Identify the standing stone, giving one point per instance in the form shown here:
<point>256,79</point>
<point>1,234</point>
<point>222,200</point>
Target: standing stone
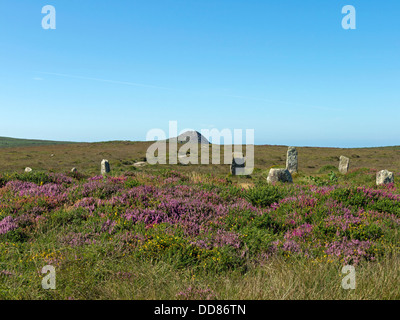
<point>344,164</point>
<point>279,175</point>
<point>384,177</point>
<point>74,170</point>
<point>291,160</point>
<point>105,166</point>
<point>27,169</point>
<point>238,164</point>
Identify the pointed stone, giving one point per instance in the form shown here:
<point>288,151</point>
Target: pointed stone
<point>291,160</point>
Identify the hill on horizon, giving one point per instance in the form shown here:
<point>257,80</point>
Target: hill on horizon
<point>192,136</point>
<point>6,142</point>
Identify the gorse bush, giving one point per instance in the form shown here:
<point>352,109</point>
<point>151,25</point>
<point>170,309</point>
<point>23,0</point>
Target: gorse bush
<point>369,199</point>
<point>131,183</point>
<point>38,177</point>
<point>264,195</point>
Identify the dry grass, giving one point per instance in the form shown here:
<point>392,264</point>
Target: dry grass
<point>86,157</point>
<point>276,280</point>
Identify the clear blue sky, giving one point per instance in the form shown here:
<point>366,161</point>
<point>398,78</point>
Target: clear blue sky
<point>112,70</point>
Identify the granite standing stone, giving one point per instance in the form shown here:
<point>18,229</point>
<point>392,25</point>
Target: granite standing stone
<point>279,175</point>
<point>384,177</point>
<point>344,164</point>
<point>291,160</point>
<point>105,166</point>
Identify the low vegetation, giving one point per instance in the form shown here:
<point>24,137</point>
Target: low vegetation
<point>174,235</point>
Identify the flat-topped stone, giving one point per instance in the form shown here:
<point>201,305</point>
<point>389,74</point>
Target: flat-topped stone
<point>279,175</point>
<point>140,164</point>
<point>384,177</point>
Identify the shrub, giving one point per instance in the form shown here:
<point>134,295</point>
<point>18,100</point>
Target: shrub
<point>37,177</point>
<point>264,196</point>
<point>322,182</point>
<point>132,183</point>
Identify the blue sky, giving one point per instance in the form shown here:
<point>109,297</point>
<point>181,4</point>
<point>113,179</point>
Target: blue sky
<point>112,70</point>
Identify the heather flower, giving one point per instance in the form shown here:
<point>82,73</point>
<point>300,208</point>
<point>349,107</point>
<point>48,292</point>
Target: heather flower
<point>8,224</point>
<point>350,251</point>
<point>300,232</point>
<point>6,273</point>
<point>108,226</point>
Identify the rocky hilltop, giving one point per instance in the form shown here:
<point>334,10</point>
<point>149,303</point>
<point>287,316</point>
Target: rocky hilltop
<point>192,136</point>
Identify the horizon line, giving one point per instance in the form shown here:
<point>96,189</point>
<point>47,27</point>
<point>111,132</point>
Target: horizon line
<point>142,141</point>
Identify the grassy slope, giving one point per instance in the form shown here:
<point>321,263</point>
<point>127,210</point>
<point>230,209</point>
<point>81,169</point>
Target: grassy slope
<point>86,157</point>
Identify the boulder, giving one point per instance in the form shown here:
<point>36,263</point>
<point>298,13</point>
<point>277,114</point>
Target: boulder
<point>74,170</point>
<point>344,164</point>
<point>384,177</point>
<point>291,160</point>
<point>27,169</point>
<point>279,175</point>
<point>140,164</point>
